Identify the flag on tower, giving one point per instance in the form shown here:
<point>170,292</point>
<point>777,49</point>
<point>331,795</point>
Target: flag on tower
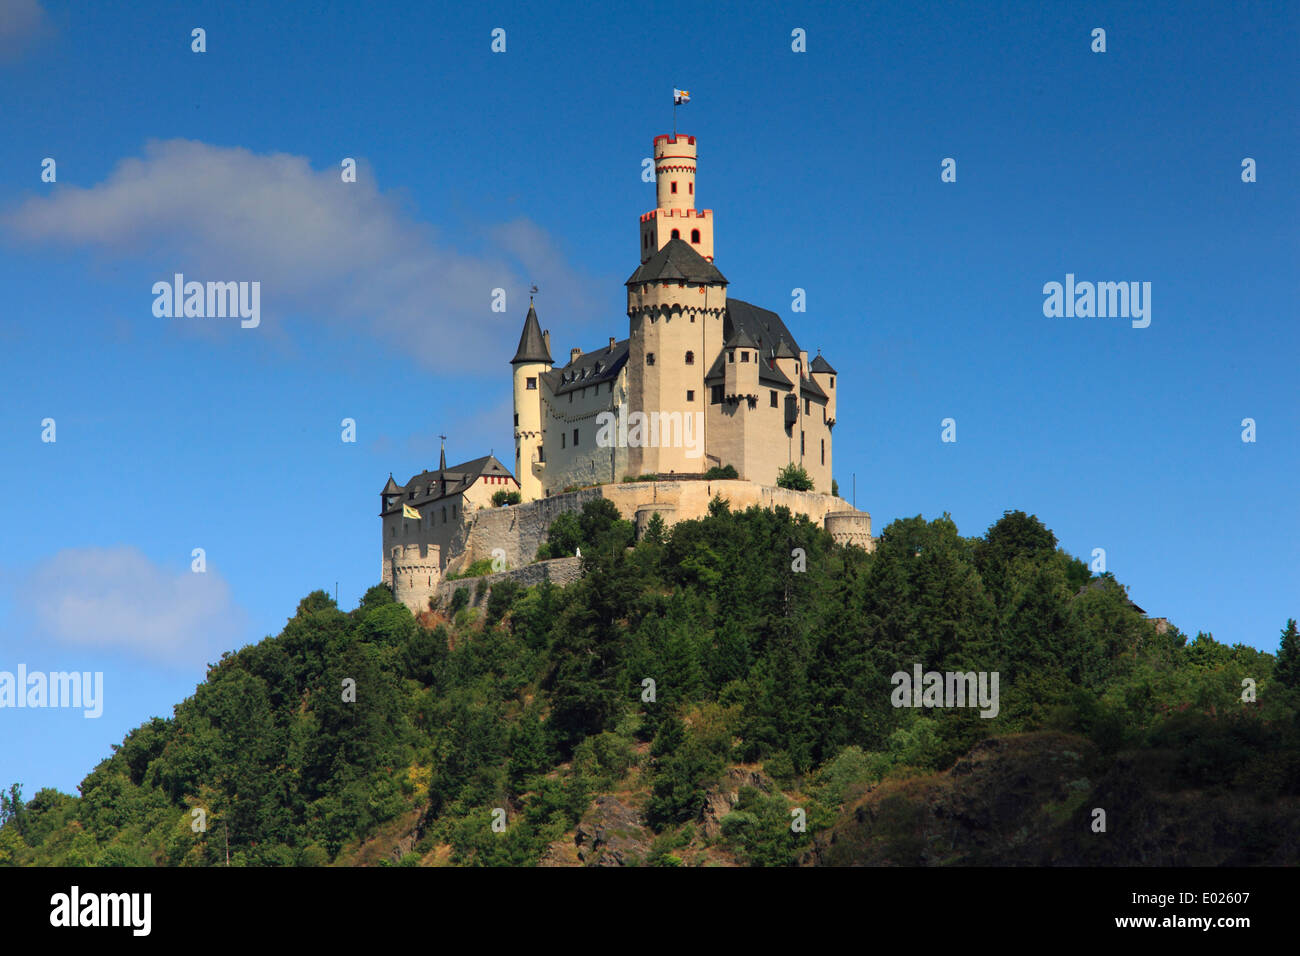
<point>680,97</point>
<point>409,512</point>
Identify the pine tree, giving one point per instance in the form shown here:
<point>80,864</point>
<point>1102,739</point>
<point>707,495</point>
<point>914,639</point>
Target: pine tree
<point>1287,669</point>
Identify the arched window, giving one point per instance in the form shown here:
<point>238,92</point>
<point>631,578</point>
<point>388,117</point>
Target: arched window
<point>676,234</point>
<point>695,236</point>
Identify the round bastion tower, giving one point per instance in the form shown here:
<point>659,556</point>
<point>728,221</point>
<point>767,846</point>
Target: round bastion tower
<point>532,358</point>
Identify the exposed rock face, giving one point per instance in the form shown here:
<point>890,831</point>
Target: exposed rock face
<point>612,833</point>
<point>1029,800</point>
<point>998,805</point>
<point>718,803</point>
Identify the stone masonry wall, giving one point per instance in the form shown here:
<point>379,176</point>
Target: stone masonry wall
<point>559,571</point>
<point>519,530</point>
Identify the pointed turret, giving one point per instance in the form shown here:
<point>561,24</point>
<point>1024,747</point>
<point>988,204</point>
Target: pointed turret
<point>532,360</point>
<point>389,497</point>
<point>532,346</point>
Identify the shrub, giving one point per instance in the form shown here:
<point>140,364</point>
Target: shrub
<point>718,474</point>
<point>795,478</point>
<point>506,497</point>
<point>479,568</point>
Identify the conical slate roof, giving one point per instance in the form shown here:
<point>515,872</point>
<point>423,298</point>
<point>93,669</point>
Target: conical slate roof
<point>741,339</point>
<point>679,262</point>
<point>532,347</point>
<point>819,364</point>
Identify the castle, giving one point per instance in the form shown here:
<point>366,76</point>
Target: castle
<point>702,381</point>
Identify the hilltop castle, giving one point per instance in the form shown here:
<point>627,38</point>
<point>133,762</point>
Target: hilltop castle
<point>701,381</point>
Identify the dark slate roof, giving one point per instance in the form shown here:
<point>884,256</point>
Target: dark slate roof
<point>811,388</point>
<point>445,482</point>
<point>819,364</point>
<point>763,326</point>
<point>678,262</point>
<point>740,340</point>
<point>589,368</point>
<point>768,376</point>
<point>766,330</point>
<point>783,350</point>
<point>532,347</point>
<point>392,487</point>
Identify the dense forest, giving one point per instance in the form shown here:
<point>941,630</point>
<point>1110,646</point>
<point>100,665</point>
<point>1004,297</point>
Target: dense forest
<point>693,694</point>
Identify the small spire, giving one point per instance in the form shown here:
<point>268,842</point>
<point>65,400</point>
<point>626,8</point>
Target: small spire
<point>442,454</point>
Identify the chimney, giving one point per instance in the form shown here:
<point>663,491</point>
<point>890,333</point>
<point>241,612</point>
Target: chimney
<point>611,343</point>
<point>546,337</point>
<point>573,355</point>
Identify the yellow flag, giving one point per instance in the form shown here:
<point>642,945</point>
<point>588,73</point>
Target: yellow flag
<point>409,512</point>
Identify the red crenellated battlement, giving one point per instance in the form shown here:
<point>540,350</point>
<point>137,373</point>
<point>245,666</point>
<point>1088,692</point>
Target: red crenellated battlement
<point>683,213</point>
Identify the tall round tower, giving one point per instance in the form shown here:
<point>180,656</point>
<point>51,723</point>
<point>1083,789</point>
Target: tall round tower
<point>532,358</point>
<point>675,215</point>
<point>676,304</point>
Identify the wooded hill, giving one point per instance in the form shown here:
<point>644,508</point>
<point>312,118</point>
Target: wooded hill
<point>772,694</point>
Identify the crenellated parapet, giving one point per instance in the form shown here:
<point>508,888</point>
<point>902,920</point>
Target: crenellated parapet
<point>850,528</point>
<point>412,572</point>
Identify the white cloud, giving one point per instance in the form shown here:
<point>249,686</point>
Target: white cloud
<point>116,599</point>
<point>342,251</point>
<point>22,24</point>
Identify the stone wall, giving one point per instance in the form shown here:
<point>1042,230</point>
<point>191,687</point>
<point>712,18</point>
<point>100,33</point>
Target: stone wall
<point>519,530</point>
<point>850,527</point>
<point>559,571</point>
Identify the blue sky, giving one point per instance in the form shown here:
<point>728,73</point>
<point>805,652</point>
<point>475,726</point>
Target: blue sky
<point>480,170</point>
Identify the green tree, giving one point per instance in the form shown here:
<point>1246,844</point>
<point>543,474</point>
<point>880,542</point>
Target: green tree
<point>1287,668</point>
